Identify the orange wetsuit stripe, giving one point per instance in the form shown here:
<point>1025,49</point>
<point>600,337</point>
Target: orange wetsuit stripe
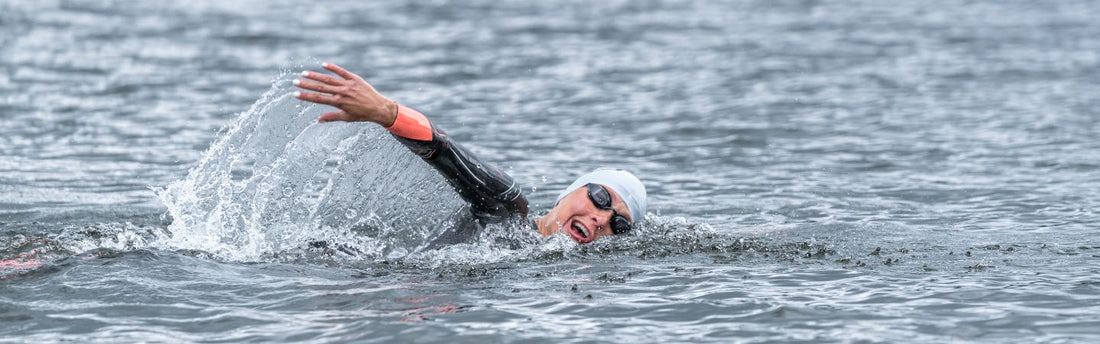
<point>411,124</point>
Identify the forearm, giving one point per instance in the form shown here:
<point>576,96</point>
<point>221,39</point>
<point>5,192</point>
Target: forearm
<point>492,194</point>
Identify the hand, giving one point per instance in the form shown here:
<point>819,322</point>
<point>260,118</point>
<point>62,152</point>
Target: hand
<point>356,100</point>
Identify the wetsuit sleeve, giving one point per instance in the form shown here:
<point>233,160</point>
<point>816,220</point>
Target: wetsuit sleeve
<point>493,195</point>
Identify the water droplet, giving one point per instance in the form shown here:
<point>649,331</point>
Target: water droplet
<point>398,253</point>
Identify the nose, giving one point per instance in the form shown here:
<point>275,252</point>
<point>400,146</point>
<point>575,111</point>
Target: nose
<point>602,217</point>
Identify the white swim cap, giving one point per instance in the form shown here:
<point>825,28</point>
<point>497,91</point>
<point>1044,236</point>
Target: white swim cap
<point>629,188</point>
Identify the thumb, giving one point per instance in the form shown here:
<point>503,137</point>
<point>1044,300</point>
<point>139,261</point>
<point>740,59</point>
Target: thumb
<point>339,115</point>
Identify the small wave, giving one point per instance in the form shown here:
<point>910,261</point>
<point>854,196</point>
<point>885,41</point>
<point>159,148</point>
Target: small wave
<point>26,253</point>
<point>514,243</point>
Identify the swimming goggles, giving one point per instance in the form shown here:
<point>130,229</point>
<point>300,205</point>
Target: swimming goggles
<point>601,198</point>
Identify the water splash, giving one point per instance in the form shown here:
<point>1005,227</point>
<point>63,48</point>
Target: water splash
<point>275,179</point>
<point>278,185</point>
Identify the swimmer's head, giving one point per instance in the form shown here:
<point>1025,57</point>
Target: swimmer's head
<point>602,202</point>
<point>625,184</point>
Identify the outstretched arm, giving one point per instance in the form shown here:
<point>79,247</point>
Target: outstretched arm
<point>492,194</point>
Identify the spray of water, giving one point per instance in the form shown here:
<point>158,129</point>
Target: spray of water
<point>275,180</point>
<point>277,184</point>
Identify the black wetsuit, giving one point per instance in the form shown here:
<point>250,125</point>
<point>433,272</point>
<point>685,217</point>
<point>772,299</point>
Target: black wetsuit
<point>492,195</point>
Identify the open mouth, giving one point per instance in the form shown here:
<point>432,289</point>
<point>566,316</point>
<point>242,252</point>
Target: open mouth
<point>579,232</point>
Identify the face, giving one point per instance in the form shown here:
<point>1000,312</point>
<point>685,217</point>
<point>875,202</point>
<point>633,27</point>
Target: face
<point>576,216</point>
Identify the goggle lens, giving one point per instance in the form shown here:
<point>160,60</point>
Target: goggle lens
<point>601,198</point>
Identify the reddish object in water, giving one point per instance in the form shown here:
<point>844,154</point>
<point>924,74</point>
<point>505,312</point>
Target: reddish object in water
<point>15,264</point>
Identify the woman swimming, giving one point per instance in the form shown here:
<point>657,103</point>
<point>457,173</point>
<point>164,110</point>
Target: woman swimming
<point>603,202</point>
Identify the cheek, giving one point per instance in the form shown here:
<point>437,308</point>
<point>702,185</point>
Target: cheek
<point>604,231</point>
<point>565,212</point>
<point>572,206</point>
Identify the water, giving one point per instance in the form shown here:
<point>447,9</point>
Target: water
<point>818,172</point>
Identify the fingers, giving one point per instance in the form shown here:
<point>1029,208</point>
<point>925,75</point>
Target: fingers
<point>317,98</point>
<point>325,78</point>
<point>339,115</point>
<point>315,86</point>
<point>332,67</point>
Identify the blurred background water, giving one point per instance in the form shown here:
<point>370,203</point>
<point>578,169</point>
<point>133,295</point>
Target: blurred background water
<point>846,171</point>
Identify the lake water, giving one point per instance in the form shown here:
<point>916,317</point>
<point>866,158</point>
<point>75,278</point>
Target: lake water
<point>845,171</point>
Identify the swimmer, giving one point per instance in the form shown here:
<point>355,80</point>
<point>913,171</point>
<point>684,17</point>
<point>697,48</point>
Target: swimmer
<point>601,203</point>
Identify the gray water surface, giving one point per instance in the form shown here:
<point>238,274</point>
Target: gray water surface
<point>839,171</point>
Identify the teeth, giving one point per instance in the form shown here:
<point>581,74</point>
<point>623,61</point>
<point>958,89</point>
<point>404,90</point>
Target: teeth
<point>580,228</point>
